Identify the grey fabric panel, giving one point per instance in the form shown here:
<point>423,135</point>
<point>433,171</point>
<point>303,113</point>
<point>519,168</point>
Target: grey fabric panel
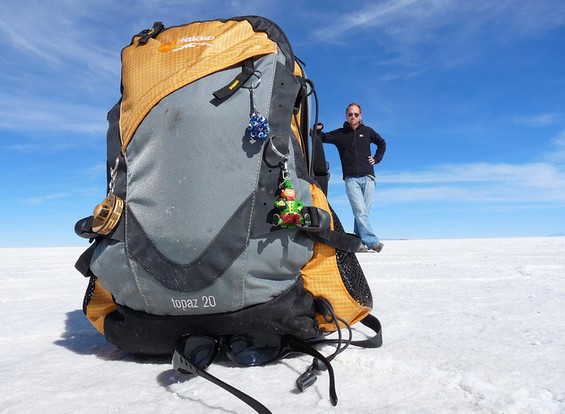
<point>187,174</point>
<point>261,279</point>
<point>111,265</point>
<point>190,168</point>
<point>230,243</point>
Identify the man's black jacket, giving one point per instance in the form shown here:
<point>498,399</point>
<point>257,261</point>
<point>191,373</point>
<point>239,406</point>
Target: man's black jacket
<point>354,147</point>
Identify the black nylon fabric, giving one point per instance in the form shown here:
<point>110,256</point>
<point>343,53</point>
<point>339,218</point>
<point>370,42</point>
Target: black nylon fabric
<point>274,32</point>
<point>114,150</point>
<point>141,333</point>
<point>319,164</point>
<point>285,89</point>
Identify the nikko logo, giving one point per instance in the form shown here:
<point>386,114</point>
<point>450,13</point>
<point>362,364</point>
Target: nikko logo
<point>186,43</point>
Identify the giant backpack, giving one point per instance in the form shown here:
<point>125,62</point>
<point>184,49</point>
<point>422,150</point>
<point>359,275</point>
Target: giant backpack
<point>197,234</point>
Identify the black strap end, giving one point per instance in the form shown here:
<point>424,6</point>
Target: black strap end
<point>83,228</point>
<point>152,33</point>
<point>232,87</point>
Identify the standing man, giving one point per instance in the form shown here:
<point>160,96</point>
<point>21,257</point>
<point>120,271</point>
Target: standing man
<point>353,142</point>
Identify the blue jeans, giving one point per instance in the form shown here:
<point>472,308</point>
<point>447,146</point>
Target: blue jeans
<point>360,191</point>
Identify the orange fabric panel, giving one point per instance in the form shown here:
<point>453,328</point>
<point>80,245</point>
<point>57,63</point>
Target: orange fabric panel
<point>100,305</point>
<point>295,122</point>
<point>294,126</point>
<point>179,56</point>
<point>322,277</point>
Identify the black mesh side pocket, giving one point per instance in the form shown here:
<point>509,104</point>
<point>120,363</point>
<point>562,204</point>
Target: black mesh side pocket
<point>89,293</point>
<point>351,272</point>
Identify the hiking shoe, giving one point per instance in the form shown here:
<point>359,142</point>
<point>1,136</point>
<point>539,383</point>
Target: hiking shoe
<point>378,247</point>
<point>363,249</point>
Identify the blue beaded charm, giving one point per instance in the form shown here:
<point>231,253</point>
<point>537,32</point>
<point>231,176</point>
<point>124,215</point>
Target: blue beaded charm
<point>258,127</point>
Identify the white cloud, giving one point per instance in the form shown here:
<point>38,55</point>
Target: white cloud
<point>407,19</point>
<point>39,114</point>
<point>558,155</point>
<point>446,32</point>
<point>476,182</point>
<point>540,120</point>
<point>467,183</point>
<point>55,34</point>
<point>426,194</point>
<point>45,199</point>
<point>476,172</point>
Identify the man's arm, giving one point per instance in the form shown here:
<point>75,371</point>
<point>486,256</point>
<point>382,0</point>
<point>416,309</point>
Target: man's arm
<point>381,147</point>
<point>326,137</point>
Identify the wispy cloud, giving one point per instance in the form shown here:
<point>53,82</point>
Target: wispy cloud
<point>445,32</point>
<point>58,76</point>
<point>409,19</point>
<point>42,114</point>
<point>540,120</point>
<point>476,182</point>
<point>381,15</point>
<point>44,199</point>
<point>478,172</point>
<point>558,154</point>
<point>55,34</point>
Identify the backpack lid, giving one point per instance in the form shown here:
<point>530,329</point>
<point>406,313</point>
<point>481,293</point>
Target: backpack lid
<point>177,56</point>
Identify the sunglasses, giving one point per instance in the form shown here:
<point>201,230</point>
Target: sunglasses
<point>355,114</point>
<point>194,353</point>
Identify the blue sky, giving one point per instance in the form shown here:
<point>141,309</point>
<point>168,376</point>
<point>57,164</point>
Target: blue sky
<point>469,95</point>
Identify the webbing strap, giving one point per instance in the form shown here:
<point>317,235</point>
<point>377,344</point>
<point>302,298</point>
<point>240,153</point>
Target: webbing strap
<point>319,220</point>
<point>232,87</point>
<point>337,239</point>
<point>376,341</point>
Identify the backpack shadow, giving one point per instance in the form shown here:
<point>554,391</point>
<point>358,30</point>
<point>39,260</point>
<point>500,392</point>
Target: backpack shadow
<point>82,338</point>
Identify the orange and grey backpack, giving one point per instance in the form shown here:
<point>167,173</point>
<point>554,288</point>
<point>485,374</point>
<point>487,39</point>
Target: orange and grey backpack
<point>216,221</point>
